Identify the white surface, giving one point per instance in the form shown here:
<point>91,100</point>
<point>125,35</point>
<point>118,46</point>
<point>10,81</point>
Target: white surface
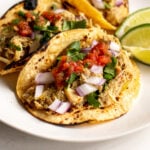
<point>13,114</point>
<point>11,139</point>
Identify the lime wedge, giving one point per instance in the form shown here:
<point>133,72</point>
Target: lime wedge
<point>141,16</point>
<point>137,41</point>
<point>140,54</point>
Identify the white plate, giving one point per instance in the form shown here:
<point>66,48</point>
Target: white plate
<point>12,113</point>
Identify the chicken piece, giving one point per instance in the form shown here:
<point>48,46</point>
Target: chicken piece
<point>75,99</point>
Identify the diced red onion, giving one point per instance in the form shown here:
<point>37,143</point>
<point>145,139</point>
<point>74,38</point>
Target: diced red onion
<point>119,2</point>
<point>38,91</point>
<point>57,11</point>
<point>87,49</point>
<point>56,103</point>
<point>33,36</point>
<point>114,46</point>
<point>97,69</point>
<point>85,89</point>
<point>98,4</point>
<point>64,107</point>
<point>44,78</point>
<point>114,53</point>
<point>94,43</point>
<point>96,80</point>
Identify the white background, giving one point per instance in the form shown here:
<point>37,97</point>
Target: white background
<point>11,139</point>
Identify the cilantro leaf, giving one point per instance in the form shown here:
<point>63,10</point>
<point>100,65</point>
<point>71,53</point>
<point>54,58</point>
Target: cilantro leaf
<point>92,99</point>
<point>107,5</point>
<point>68,25</point>
<point>72,78</point>
<point>15,47</point>
<point>74,51</point>
<point>48,32</point>
<point>109,69</point>
<point>15,21</point>
<point>21,13</point>
<point>75,45</point>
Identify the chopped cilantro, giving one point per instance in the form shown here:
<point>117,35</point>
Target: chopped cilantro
<point>74,51</point>
<point>21,13</point>
<point>72,78</point>
<point>109,69</point>
<point>107,5</point>
<point>52,28</point>
<point>15,47</point>
<point>92,99</point>
<point>68,25</point>
<point>46,37</point>
<point>15,21</point>
<point>47,29</point>
<point>75,45</point>
<point>48,32</point>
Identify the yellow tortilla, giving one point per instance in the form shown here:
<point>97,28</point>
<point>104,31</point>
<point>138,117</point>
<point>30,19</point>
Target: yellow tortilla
<point>13,64</point>
<point>121,100</point>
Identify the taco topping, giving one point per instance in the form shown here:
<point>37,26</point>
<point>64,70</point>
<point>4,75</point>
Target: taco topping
<point>82,77</point>
<point>30,30</point>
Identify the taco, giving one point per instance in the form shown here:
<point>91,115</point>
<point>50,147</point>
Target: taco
<point>83,75</point>
<point>108,13</point>
<point>25,28</point>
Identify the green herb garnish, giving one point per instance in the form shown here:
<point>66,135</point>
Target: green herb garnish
<point>68,25</point>
<point>74,51</point>
<point>21,13</point>
<point>15,21</point>
<point>109,69</point>
<point>48,32</point>
<point>72,78</point>
<point>107,5</point>
<point>92,99</point>
<point>15,47</point>
<point>47,29</point>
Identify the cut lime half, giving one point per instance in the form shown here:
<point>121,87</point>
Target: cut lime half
<point>137,41</point>
<point>141,16</point>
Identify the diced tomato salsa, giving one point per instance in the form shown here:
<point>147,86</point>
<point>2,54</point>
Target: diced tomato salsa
<point>99,55</point>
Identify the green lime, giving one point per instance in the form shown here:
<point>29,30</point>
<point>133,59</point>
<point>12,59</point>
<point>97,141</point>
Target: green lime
<point>137,41</point>
<point>141,16</point>
<point>140,54</point>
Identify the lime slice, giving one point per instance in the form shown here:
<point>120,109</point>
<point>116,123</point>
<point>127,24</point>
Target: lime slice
<point>137,41</point>
<point>141,16</point>
<point>140,54</point>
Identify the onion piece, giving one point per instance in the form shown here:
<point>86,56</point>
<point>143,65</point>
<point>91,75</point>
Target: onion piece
<point>44,78</point>
<point>94,43</point>
<point>97,69</point>
<point>98,4</point>
<point>38,91</point>
<point>114,46</point>
<point>96,80</point>
<point>60,10</point>
<point>87,49</point>
<point>119,2</point>
<point>85,89</point>
<point>64,107</point>
<point>54,106</point>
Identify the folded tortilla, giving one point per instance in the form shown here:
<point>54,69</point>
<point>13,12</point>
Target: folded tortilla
<point>117,98</point>
<point>17,46</point>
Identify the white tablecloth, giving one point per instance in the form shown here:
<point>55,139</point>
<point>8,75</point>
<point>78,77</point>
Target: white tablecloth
<point>11,139</point>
